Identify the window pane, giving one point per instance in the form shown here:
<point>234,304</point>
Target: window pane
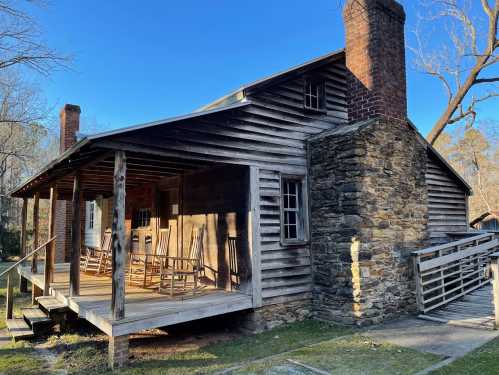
<point>291,217</point>
<point>314,103</point>
<point>292,232</point>
<point>292,187</point>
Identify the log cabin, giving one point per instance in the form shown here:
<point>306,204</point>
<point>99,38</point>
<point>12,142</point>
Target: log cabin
<point>311,187</point>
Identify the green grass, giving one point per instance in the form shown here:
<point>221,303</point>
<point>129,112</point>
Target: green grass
<point>352,355</point>
<point>20,358</point>
<point>90,358</point>
<point>483,361</point>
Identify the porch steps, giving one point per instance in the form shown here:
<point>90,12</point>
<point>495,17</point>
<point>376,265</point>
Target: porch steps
<point>51,305</point>
<point>37,319</point>
<point>19,329</point>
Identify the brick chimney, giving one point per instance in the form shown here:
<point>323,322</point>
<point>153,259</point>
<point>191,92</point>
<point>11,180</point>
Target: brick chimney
<point>375,57</point>
<point>70,124</point>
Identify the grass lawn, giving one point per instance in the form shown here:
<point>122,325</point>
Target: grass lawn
<point>85,356</point>
<point>19,358</point>
<point>483,361</point>
<point>352,355</point>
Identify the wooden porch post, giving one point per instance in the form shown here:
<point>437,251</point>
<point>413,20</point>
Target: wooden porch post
<point>74,271</point>
<point>36,205</point>
<point>494,265</point>
<point>118,345</point>
<point>118,237</point>
<point>23,283</point>
<point>9,298</point>
<point>254,235</point>
<point>50,249</point>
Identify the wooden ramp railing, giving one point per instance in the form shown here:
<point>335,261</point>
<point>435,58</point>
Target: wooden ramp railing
<point>446,272</point>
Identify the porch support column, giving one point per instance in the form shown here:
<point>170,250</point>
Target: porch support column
<point>50,249</point>
<point>254,235</point>
<point>118,351</point>
<point>23,283</point>
<point>74,271</point>
<point>118,237</point>
<point>118,345</point>
<point>36,232</point>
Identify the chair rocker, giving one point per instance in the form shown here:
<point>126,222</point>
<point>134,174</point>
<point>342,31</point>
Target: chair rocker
<point>98,260</point>
<point>174,269</point>
<point>144,267</point>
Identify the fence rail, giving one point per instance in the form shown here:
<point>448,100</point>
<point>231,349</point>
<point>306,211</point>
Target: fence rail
<point>446,272</point>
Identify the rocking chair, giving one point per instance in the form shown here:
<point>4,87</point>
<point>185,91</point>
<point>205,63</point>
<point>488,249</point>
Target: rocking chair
<point>98,260</point>
<point>143,267</point>
<point>180,268</point>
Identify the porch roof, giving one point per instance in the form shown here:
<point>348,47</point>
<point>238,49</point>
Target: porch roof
<point>93,158</point>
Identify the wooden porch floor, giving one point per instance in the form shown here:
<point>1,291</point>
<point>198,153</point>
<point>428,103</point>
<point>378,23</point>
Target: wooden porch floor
<point>144,308</point>
<point>475,310</point>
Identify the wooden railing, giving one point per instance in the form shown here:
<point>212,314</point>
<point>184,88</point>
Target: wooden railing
<point>11,271</point>
<point>446,272</point>
<point>494,265</point>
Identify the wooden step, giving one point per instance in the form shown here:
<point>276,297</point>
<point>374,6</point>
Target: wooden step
<point>51,305</point>
<point>19,329</point>
<point>36,319</point>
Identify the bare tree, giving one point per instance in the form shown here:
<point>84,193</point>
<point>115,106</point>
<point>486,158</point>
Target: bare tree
<point>20,43</point>
<point>462,64</point>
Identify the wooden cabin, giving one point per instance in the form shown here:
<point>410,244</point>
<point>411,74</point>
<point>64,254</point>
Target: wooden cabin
<point>241,168</point>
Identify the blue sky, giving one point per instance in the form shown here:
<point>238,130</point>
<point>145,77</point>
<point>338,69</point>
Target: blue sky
<point>142,61</point>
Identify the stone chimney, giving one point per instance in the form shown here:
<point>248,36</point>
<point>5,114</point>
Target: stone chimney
<point>70,124</point>
<point>368,194</point>
<point>375,57</point>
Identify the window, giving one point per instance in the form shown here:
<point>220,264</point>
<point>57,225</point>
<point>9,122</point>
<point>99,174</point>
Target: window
<point>142,218</point>
<point>293,219</point>
<point>91,215</point>
<point>314,95</point>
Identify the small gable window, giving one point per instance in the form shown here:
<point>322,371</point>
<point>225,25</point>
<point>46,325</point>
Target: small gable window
<point>314,94</point>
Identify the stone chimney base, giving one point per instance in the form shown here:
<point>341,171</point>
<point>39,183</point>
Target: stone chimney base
<point>368,212</point>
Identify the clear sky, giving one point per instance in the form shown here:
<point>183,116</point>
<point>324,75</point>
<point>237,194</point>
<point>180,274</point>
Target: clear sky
<point>142,61</point>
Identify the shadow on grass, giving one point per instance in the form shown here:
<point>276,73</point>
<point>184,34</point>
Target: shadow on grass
<point>20,360</point>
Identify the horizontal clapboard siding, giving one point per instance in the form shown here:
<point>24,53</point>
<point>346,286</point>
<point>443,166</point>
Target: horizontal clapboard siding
<point>268,133</point>
<point>446,203</point>
<point>285,271</point>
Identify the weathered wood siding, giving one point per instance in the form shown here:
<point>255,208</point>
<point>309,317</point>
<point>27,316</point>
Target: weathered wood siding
<point>286,273</point>
<point>447,202</point>
<point>269,134</point>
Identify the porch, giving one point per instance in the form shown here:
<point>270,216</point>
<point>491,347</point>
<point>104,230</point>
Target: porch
<point>145,307</point>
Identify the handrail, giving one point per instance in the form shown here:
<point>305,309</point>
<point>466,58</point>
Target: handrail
<point>27,256</point>
<point>451,244</point>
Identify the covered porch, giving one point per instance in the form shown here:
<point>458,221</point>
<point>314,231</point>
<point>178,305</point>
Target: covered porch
<point>145,308</point>
<point>147,187</point>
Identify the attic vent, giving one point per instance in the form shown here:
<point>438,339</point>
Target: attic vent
<point>314,95</point>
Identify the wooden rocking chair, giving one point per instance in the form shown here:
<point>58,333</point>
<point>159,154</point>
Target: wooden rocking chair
<point>143,267</point>
<point>180,268</point>
<point>98,260</point>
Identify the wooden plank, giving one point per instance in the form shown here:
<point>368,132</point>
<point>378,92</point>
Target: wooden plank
<point>254,235</point>
<point>9,297</point>
<point>23,283</point>
<point>118,238</point>
<point>74,272</point>
<point>36,230</point>
<point>19,329</point>
<point>495,289</point>
<point>50,248</point>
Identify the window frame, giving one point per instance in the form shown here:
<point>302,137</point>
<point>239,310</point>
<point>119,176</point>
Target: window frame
<point>139,217</point>
<point>302,209</point>
<point>91,215</point>
<point>321,94</point>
